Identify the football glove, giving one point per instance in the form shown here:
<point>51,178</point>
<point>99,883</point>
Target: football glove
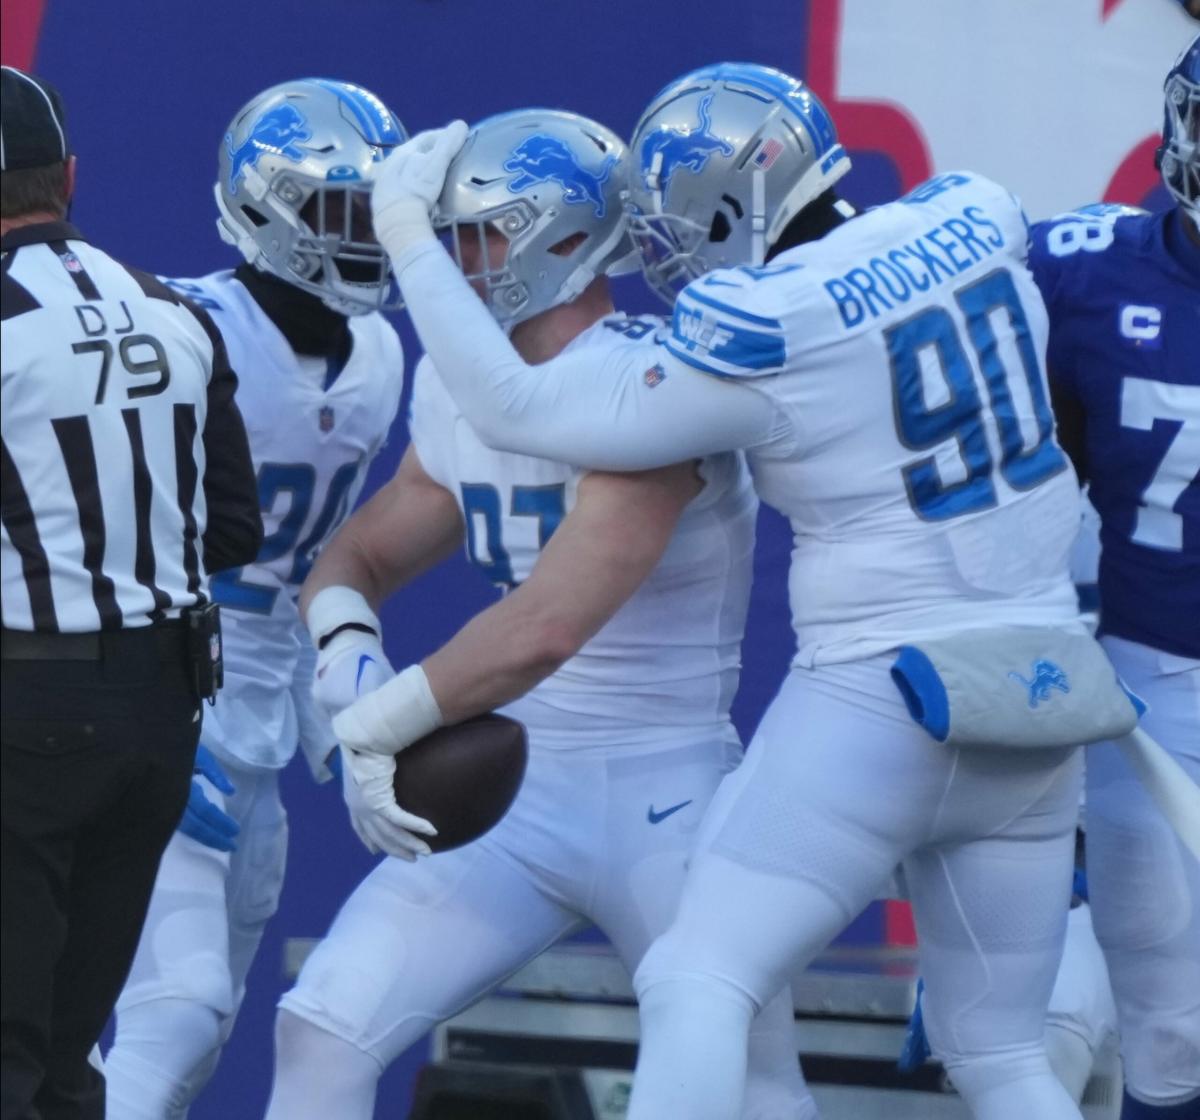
<point>392,717</point>
<point>377,820</point>
<point>408,184</point>
<point>202,820</point>
<point>350,657</point>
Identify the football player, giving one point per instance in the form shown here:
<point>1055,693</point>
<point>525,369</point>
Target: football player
<point>1123,292</point>
<point>320,374</point>
<point>884,373</point>
<point>626,601</point>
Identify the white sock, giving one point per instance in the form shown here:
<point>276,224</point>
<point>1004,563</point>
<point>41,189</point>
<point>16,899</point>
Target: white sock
<point>692,1059</point>
<point>1071,1058</point>
<point>775,1088</point>
<point>318,1075</point>
<point>164,1053</point>
<point>1015,1084</point>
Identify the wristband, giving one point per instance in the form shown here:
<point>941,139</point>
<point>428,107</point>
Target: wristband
<point>356,627</point>
<point>337,608</point>
<point>392,717</point>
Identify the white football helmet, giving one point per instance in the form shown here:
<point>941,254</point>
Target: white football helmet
<point>554,184</point>
<point>293,189</point>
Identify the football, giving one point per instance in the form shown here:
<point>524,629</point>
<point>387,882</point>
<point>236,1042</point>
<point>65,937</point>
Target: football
<point>462,778</point>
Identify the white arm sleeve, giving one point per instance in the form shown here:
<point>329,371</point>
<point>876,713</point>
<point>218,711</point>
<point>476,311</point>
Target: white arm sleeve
<point>588,409</point>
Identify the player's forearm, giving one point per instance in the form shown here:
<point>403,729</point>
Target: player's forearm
<point>574,408</point>
<point>345,563</point>
<point>497,657</point>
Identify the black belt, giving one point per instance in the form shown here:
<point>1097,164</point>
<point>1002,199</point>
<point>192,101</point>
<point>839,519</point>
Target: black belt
<point>97,645</point>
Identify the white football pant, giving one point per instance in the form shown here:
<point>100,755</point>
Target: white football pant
<point>594,835</point>
<point>838,787</point>
<point>1145,885</point>
<point>206,919</point>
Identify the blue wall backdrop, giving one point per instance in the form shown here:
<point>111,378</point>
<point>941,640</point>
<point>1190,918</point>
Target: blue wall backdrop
<point>149,89</point>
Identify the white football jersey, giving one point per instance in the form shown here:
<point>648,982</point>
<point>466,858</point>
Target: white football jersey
<point>915,452</point>
<point>669,658</point>
<point>311,446</point>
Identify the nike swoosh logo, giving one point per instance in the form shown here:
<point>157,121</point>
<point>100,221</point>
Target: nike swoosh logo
<point>654,817</point>
<point>364,660</point>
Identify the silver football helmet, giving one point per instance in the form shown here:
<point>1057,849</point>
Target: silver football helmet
<point>293,189</point>
<point>553,184</point>
<point>725,157</point>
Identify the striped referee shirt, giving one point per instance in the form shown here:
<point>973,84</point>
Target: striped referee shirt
<point>125,472</point>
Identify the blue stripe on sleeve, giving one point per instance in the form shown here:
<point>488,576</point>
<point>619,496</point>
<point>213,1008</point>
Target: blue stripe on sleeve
<point>720,344</point>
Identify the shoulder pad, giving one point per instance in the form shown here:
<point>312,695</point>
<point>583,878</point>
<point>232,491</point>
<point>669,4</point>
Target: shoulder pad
<point>715,330</point>
<point>1088,229</point>
<point>193,290</point>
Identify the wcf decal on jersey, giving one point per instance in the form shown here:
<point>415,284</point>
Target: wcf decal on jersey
<point>1141,324</point>
<point>698,330</point>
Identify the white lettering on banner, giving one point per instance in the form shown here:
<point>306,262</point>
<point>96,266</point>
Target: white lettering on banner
<point>1140,322</point>
<point>1063,131</point>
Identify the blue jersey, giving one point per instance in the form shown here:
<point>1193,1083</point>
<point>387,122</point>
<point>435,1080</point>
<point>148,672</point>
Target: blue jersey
<point>1123,292</point>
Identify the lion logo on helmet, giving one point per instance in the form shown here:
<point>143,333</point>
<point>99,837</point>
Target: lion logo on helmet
<point>690,148</point>
<point>279,131</point>
<point>541,159</point>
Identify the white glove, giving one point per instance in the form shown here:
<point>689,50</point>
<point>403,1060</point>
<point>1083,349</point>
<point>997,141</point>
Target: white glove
<point>408,184</point>
<point>352,662</point>
<point>376,818</point>
<point>391,718</point>
<point>351,665</point>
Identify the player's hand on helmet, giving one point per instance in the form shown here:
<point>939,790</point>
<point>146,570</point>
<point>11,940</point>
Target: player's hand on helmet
<point>378,821</point>
<point>204,820</point>
<point>407,185</point>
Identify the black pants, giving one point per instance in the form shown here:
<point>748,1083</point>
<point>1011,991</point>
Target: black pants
<point>97,762</point>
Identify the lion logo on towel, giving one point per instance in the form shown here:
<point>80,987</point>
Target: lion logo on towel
<point>1046,676</point>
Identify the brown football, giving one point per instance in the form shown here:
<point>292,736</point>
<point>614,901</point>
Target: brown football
<point>462,778</point>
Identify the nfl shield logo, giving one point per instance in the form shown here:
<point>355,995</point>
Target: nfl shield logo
<point>71,262</point>
<point>654,376</point>
<point>325,418</point>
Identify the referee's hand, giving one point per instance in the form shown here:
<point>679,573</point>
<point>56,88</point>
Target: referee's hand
<point>202,820</point>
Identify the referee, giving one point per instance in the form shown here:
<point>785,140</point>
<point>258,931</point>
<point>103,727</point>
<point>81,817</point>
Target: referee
<point>125,475</point>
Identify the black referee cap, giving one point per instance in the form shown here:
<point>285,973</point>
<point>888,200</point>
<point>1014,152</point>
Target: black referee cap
<point>32,133</point>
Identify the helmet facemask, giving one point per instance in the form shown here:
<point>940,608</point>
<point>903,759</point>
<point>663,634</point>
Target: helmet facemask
<point>1180,153</point>
<point>336,251</point>
<point>677,248</point>
<point>293,190</point>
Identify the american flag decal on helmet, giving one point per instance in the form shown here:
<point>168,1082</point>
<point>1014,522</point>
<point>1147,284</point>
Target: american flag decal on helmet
<point>768,152</point>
